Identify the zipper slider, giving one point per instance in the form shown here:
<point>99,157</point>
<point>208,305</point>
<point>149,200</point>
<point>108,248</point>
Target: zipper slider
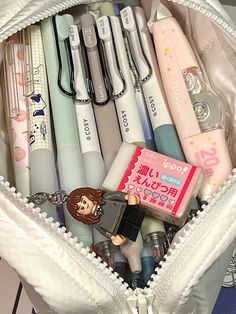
<point>139,303</point>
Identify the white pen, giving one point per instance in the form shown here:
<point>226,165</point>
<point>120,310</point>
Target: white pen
<point>126,106</point>
<point>93,162</point>
<point>41,158</point>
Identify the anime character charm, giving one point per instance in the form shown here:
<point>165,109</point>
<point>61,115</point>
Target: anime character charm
<point>116,214</point>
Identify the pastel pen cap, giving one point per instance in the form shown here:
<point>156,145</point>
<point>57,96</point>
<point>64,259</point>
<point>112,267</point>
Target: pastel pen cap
<point>104,248</point>
<point>154,236</point>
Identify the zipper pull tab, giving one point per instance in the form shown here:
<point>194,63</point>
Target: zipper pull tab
<point>139,303</point>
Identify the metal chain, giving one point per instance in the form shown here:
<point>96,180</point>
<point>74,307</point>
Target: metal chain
<point>57,198</point>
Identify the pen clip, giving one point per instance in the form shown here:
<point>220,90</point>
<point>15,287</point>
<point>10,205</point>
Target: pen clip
<point>139,57</point>
<point>81,80</point>
<point>108,47</point>
<point>90,41</point>
<point>72,92</point>
<point>10,78</point>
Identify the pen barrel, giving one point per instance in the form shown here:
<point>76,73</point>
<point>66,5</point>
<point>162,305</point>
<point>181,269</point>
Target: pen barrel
<point>94,167</point>
<point>145,120</point>
<point>109,132</point>
<point>97,75</point>
<point>209,152</point>
<point>175,55</point>
<point>43,178</point>
<point>126,106</point>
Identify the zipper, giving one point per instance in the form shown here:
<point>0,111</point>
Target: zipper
<point>217,19</point>
<point>56,8</point>
<point>139,301</point>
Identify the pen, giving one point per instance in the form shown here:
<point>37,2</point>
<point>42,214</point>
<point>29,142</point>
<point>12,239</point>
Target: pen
<point>126,106</point>
<point>93,162</point>
<point>41,157</point>
<point>166,138</point>
<point>140,100</point>
<point>195,107</point>
<point>148,263</point>
<point>132,251</point>
<point>17,111</point>
<point>104,109</point>
<point>69,157</point>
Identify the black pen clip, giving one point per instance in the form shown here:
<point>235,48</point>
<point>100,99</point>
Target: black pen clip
<point>72,92</point>
<point>89,38</point>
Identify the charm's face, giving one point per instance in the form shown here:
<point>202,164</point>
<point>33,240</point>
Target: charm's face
<point>85,206</point>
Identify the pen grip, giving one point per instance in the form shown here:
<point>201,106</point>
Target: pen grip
<point>209,152</point>
<point>167,142</point>
<point>175,55</point>
<point>94,169</point>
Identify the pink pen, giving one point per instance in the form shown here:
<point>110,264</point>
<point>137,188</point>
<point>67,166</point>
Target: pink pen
<point>195,108</point>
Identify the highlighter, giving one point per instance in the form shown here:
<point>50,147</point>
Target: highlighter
<point>195,108</point>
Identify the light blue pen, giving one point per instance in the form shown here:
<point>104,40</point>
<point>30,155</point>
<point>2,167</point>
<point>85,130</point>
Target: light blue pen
<point>166,138</point>
<point>69,156</point>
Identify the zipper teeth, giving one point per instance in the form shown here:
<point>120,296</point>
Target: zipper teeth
<point>68,242</point>
<point>212,16</point>
<point>66,4</point>
<point>70,3</point>
<point>189,234</point>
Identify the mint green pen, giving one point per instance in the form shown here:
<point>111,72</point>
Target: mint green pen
<point>69,156</point>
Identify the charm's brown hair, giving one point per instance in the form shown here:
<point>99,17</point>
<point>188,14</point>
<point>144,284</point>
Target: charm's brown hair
<point>95,195</point>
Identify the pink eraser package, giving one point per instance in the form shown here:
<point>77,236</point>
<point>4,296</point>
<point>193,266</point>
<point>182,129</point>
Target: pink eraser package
<point>166,186</point>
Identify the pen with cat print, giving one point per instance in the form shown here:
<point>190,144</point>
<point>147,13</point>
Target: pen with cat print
<point>41,157</point>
